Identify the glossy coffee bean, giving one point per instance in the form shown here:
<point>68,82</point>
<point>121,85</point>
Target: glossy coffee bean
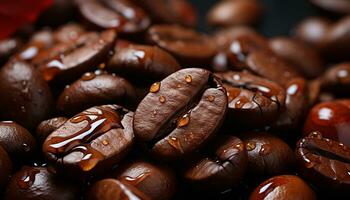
<point>17,141</point>
<point>332,119</point>
<point>112,189</point>
<point>251,98</point>
<point>45,128</point>
<point>287,187</point>
<point>5,167</point>
<point>334,6</point>
<point>305,59</point>
<point>183,112</point>
<point>95,88</point>
<point>337,79</point>
<point>190,48</point>
<point>26,97</point>
<point>324,162</point>
<point>37,183</point>
<point>83,58</point>
<point>68,33</point>
<point>138,61</point>
<point>156,181</point>
<point>237,12</point>
<point>267,154</point>
<point>8,47</point>
<point>92,141</point>
<point>121,15</point>
<point>222,165</point>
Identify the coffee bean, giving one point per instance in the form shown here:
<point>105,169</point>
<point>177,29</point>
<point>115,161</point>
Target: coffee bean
<point>26,97</point>
<point>221,166</point>
<point>92,141</point>
<point>180,113</point>
<point>111,189</point>
<point>5,167</point>
<point>17,141</point>
<point>337,79</point>
<point>121,15</point>
<point>45,128</point>
<point>232,13</point>
<point>324,162</point>
<point>138,61</point>
<point>251,99</point>
<point>286,187</point>
<point>32,183</point>
<point>156,181</point>
<point>335,6</point>
<point>95,89</point>
<point>190,48</point>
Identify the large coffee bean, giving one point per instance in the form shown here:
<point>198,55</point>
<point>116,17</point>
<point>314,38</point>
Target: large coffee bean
<point>37,183</point>
<point>5,167</point>
<point>121,15</point>
<point>324,162</point>
<point>26,96</point>
<point>222,165</point>
<point>252,101</point>
<point>337,79</point>
<point>180,113</point>
<point>334,6</point>
<point>192,49</point>
<point>45,128</point>
<point>95,89</point>
<point>91,141</point>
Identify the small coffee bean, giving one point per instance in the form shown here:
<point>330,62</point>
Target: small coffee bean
<point>45,128</point>
<point>5,167</point>
<point>337,79</point>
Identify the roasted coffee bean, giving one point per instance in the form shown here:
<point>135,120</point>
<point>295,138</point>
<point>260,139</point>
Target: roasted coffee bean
<point>237,12</point>
<point>267,154</point>
<point>337,79</point>
<point>138,61</point>
<point>83,58</point>
<point>92,141</point>
<point>26,97</point>
<point>34,183</point>
<point>156,181</point>
<point>17,141</point>
<point>45,128</point>
<point>111,189</point>
<point>324,162</point>
<point>334,6</point>
<point>251,99</point>
<point>121,15</point>
<point>5,168</point>
<point>170,11</point>
<point>285,187</point>
<point>94,89</point>
<point>8,47</point>
<point>302,57</point>
<point>332,119</point>
<point>222,166</point>
<point>68,33</point>
<point>190,48</point>
<point>181,113</point>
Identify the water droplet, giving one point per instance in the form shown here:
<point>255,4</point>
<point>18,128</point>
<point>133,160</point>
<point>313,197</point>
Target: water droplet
<point>250,146</point>
<point>175,142</point>
<point>184,120</point>
<point>105,142</point>
<point>265,149</point>
<point>88,76</point>
<point>188,78</point>
<point>162,99</point>
<point>155,87</point>
<point>102,66</point>
<point>349,173</point>
<point>316,134</point>
<point>26,147</point>
<point>154,113</point>
<point>136,180</point>
<point>178,85</point>
<point>211,98</point>
<point>239,146</point>
<point>67,86</point>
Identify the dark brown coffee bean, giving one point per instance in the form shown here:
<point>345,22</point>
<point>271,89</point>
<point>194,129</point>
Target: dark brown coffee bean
<point>17,141</point>
<point>8,47</point>
<point>232,13</point>
<point>83,58</point>
<point>45,128</point>
<point>91,141</point>
<point>337,79</point>
<point>252,99</point>
<point>285,187</point>
<point>26,97</point>
<point>267,154</point>
<point>37,183</point>
<point>180,113</point>
<point>221,167</point>
<point>156,181</point>
<point>94,89</point>
<point>305,59</point>
<point>334,6</point>
<point>324,162</point>
<point>190,48</point>
<point>68,33</point>
<point>139,61</point>
<point>111,189</point>
<point>5,167</point>
<point>121,15</point>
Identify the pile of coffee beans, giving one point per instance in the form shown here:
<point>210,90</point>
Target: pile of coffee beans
<point>125,100</point>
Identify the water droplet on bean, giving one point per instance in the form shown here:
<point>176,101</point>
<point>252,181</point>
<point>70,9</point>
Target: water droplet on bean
<point>250,146</point>
<point>188,78</point>
<point>265,149</point>
<point>105,142</point>
<point>155,87</point>
<point>183,121</point>
<point>162,99</point>
<point>175,142</point>
<point>88,76</point>
<point>211,98</point>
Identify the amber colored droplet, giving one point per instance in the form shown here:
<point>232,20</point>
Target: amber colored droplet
<point>155,87</point>
<point>178,86</point>
<point>105,142</point>
<point>135,180</point>
<point>250,146</point>
<point>88,76</point>
<point>316,134</point>
<point>162,99</point>
<point>175,142</point>
<point>26,147</point>
<point>265,149</point>
<point>239,146</point>
<point>102,66</point>
<point>211,98</point>
<point>183,121</point>
<point>188,78</point>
